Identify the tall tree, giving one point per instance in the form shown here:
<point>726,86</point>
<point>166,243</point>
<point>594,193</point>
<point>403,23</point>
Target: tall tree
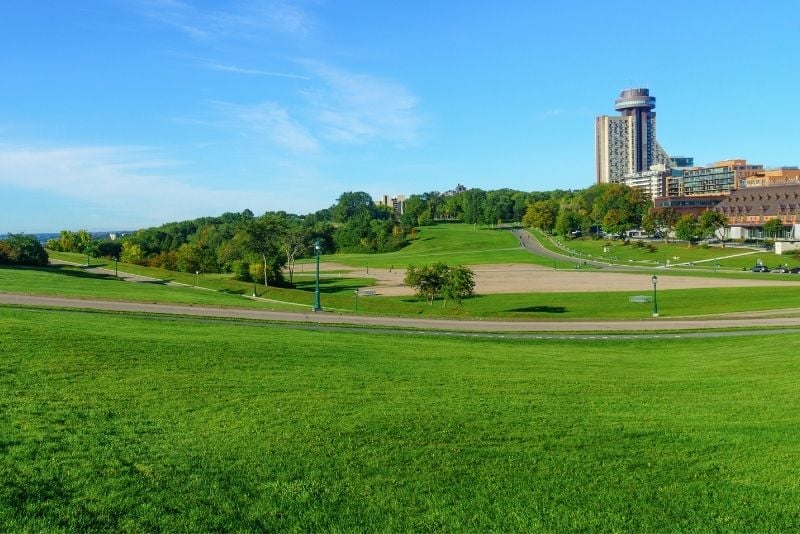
<point>712,223</point>
<point>687,228</point>
<point>262,236</point>
<point>772,227</point>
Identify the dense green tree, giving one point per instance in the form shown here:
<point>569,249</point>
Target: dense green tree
<point>687,228</point>
<point>352,205</point>
<point>772,227</point>
<point>712,223</point>
<point>262,237</point>
<point>18,249</point>
<point>568,221</point>
<point>541,214</point>
<point>439,279</point>
<point>472,205</point>
<point>459,283</point>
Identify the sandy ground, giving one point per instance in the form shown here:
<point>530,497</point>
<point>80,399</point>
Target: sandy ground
<point>521,278</point>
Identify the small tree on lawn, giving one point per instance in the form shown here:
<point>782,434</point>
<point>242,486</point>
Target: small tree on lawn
<point>459,283</point>
<point>712,223</point>
<point>427,280</point>
<point>687,228</point>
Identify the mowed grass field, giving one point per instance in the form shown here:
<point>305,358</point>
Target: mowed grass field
<point>126,423</point>
<point>704,258</point>
<point>338,296</point>
<point>454,244</point>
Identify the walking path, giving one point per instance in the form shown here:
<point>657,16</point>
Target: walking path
<point>790,318</point>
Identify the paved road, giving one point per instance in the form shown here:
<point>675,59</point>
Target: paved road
<point>532,245</point>
<point>645,325</point>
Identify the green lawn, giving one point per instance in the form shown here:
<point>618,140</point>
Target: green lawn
<point>338,295</point>
<point>454,244</point>
<point>728,258</point>
<point>122,423</point>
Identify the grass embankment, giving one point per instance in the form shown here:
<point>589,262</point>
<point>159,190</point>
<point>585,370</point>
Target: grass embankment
<point>454,244</point>
<point>338,295</point>
<point>677,254</point>
<point>132,424</point>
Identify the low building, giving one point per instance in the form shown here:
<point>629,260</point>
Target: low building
<point>695,205</point>
<point>780,176</point>
<point>748,209</point>
<point>719,178</point>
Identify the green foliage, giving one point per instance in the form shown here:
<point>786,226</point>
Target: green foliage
<point>439,279</point>
<point>541,214</point>
<point>19,249</point>
<point>772,227</point>
<point>710,223</point>
<point>687,228</point>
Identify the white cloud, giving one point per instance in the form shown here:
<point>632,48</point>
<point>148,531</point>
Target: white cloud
<point>358,108</point>
<point>131,181</point>
<point>213,65</point>
<point>243,20</point>
<point>275,124</point>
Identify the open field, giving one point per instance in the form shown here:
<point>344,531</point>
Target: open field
<point>130,424</point>
<point>338,295</point>
<point>455,244</point>
<point>703,258</point>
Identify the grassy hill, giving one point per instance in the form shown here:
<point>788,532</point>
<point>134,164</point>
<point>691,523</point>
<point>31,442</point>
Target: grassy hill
<point>455,244</point>
<point>121,423</point>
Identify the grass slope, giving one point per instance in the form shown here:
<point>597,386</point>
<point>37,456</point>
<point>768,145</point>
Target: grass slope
<point>338,295</point>
<point>133,424</point>
<point>454,244</point>
<point>704,258</point>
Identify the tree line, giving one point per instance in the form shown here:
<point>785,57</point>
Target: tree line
<point>613,209</point>
<point>264,248</point>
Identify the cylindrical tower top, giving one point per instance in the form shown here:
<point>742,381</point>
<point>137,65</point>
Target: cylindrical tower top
<point>635,98</point>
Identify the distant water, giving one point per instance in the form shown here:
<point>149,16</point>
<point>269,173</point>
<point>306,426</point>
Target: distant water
<point>42,238</point>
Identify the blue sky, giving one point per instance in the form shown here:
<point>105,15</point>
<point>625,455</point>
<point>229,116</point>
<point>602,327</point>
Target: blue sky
<point>119,114</point>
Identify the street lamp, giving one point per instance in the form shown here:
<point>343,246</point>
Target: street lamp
<point>356,300</point>
<point>655,297</point>
<point>317,249</point>
<point>197,278</point>
<point>116,266</point>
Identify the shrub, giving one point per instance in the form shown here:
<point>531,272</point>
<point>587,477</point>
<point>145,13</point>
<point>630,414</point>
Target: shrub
<point>23,250</point>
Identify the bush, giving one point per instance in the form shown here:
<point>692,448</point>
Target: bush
<point>23,250</point>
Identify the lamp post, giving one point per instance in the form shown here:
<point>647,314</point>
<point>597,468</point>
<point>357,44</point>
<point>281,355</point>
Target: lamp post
<point>197,278</point>
<point>356,300</point>
<point>317,249</point>
<point>116,266</point>
<point>655,296</point>
<point>254,286</point>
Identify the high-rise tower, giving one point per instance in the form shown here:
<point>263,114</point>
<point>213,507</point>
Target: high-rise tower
<point>627,143</point>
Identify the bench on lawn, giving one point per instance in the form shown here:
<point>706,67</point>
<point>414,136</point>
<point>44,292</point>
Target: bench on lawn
<point>639,299</point>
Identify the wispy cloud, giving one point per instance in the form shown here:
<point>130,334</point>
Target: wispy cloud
<point>134,182</point>
<point>274,124</point>
<point>358,108</point>
<point>336,107</point>
<point>213,65</point>
<point>246,20</point>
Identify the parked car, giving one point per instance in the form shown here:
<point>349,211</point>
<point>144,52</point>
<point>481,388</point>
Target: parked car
<point>795,270</point>
<point>760,269</point>
<point>780,270</point>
